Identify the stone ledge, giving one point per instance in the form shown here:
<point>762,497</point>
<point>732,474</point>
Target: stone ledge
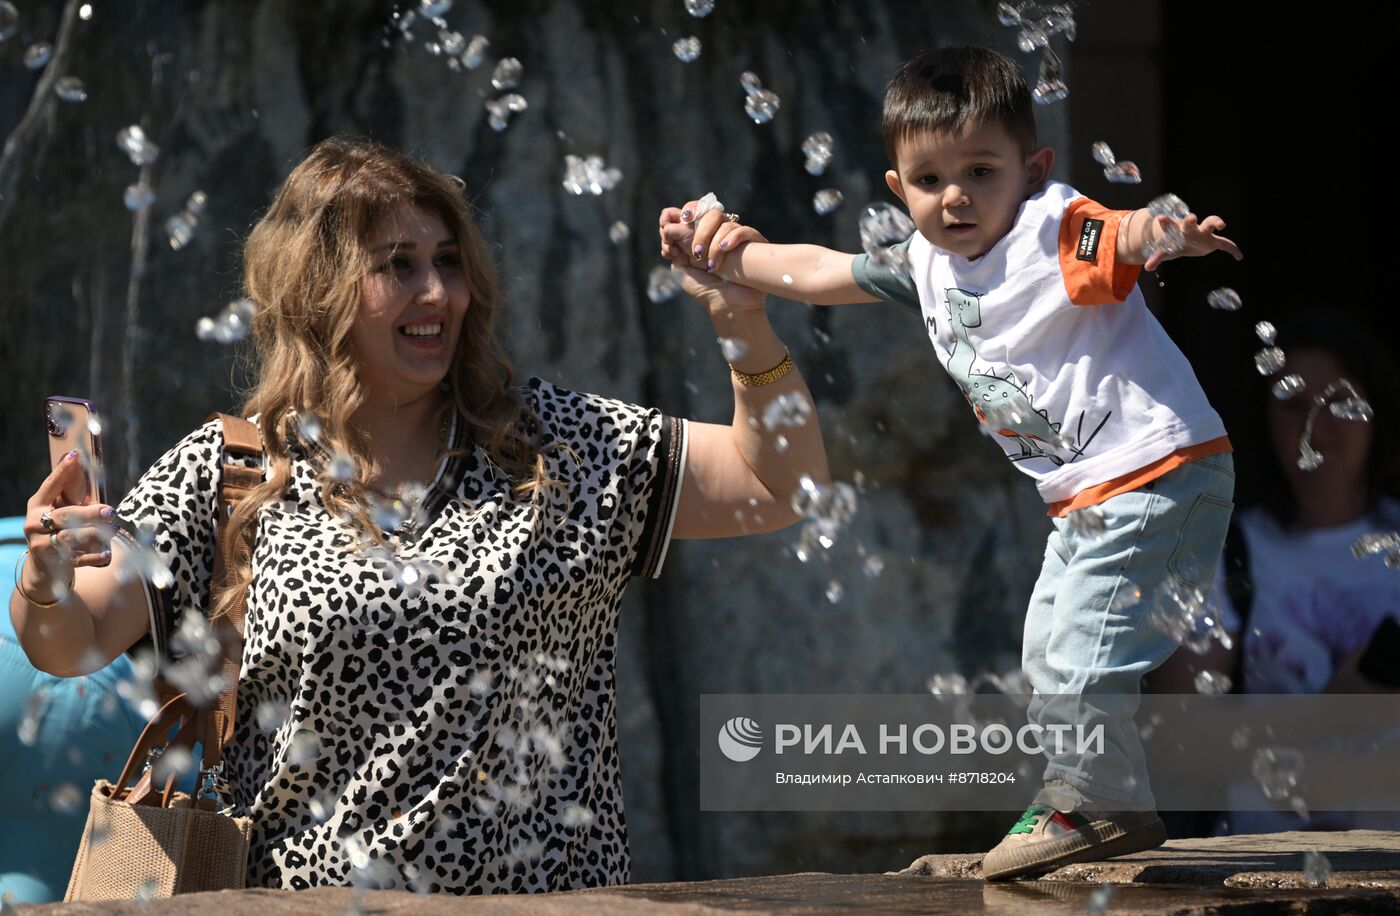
<point>1245,874</point>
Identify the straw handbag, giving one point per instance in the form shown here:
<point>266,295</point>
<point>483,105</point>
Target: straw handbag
<point>152,841</point>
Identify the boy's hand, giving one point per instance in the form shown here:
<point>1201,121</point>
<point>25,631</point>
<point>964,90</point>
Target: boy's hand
<point>1197,238</point>
<point>702,243</point>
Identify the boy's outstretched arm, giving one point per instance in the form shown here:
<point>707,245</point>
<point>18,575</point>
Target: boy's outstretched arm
<point>1198,238</point>
<point>740,254</point>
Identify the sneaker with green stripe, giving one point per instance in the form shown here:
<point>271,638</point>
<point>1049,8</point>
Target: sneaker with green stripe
<point>1045,838</point>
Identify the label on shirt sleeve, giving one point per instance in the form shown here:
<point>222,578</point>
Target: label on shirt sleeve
<point>1089,235</point>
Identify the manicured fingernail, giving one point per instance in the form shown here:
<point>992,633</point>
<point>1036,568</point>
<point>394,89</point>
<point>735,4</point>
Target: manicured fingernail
<point>699,251</point>
<point>71,455</point>
<point>724,244</point>
<point>710,264</point>
<point>107,512</point>
<point>106,555</point>
<point>685,215</point>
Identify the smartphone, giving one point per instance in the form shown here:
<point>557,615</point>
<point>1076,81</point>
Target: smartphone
<point>1381,660</point>
<point>73,423</point>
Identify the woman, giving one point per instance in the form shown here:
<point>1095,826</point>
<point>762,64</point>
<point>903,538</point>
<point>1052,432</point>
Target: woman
<point>434,562</point>
<point>1302,608</point>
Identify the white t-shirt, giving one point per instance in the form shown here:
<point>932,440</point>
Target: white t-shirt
<point>1049,322</point>
<point>1314,604</point>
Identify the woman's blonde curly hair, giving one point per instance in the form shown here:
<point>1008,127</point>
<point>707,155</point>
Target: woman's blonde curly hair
<point>303,263</point>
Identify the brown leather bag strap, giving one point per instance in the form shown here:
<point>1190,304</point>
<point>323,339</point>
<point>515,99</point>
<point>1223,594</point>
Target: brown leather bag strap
<point>236,482</point>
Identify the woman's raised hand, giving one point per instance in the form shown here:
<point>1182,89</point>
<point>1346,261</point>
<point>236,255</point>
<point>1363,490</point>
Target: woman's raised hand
<point>62,536</point>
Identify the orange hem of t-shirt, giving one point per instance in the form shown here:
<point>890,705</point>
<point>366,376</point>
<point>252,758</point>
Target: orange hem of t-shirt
<point>1126,483</point>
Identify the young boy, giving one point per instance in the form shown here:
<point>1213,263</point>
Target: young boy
<point>1028,292</point>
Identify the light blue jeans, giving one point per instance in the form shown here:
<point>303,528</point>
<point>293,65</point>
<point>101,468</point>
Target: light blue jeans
<point>1088,644</point>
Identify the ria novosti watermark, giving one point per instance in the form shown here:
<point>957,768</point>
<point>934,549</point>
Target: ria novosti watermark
<point>986,752</point>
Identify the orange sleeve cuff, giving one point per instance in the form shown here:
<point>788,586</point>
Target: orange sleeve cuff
<point>1089,254</point>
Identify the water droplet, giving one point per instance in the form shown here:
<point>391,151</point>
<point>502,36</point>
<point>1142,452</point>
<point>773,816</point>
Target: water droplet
<point>947,685</point>
<point>618,232</point>
<point>70,89</point>
<point>818,150</point>
<point>304,747</point>
<point>589,176</point>
<point>762,106</point>
<point>357,852</point>
<point>1127,596</point>
<point>137,196</point>
<point>85,12</point>
<point>1225,299</point>
<point>1031,38</point>
<point>835,591</point>
<point>1050,88</point>
<point>1375,542</point>
<point>662,284</point>
<point>146,890</point>
<point>733,349</point>
<point>1309,458</point>
<point>827,200</point>
<point>790,408</point>
<point>1316,868</point>
<point>133,141</point>
<point>1124,172</point>
<point>453,43</point>
<point>175,761</point>
<point>1103,154</point>
<point>1169,205</point>
<point>271,714</point>
<point>1266,332</point>
<point>179,229</point>
<point>475,52</point>
<point>507,74</point>
<point>37,55</point>
<point>1213,682</point>
<point>1288,386</point>
<point>1277,770</point>
<point>1008,15</point>
<point>1087,522</point>
<point>1351,409</point>
<point>500,110</point>
<point>787,278</point>
<point>9,20</point>
<point>699,8</point>
<point>434,9</point>
<point>873,566</point>
<point>687,49</point>
<point>341,468</point>
<point>881,226</point>
<point>1269,360</point>
<point>1099,899</point>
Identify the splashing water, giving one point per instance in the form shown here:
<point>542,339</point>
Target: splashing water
<point>1187,615</point>
<point>589,176</point>
<point>500,110</point>
<point>1050,87</point>
<point>1266,332</point>
<point>230,325</point>
<point>1269,361</point>
<point>1213,682</point>
<point>818,150</point>
<point>37,55</point>
<point>732,348</point>
<point>1224,299</point>
<point>1088,522</point>
<point>760,104</point>
<point>881,226</point>
<point>70,89</point>
<point>475,52</point>
<point>699,8</point>
<point>827,200</point>
<point>507,73</point>
<point>1288,386</point>
<point>792,408</point>
<point>618,232</point>
<point>1316,869</point>
<point>662,284</point>
<point>686,49</point>
<point>133,141</point>
<point>1277,770</point>
<point>9,20</point>
<point>1169,205</point>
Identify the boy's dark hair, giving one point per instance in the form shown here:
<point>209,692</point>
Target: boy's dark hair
<point>956,88</point>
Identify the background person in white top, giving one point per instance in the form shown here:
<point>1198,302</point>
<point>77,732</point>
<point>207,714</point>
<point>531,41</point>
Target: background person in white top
<point>1028,293</point>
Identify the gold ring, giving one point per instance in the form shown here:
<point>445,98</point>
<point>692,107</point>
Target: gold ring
<point>53,541</point>
<point>731,217</point>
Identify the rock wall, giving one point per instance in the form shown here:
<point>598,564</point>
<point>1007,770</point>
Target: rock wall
<point>234,92</point>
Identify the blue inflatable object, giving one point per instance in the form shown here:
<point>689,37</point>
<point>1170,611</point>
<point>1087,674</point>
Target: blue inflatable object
<point>84,732</point>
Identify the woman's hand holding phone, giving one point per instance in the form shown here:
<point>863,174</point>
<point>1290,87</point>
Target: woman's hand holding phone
<point>62,536</point>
